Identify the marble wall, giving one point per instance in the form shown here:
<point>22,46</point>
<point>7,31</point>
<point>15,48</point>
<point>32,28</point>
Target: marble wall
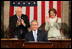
<point>2,18</point>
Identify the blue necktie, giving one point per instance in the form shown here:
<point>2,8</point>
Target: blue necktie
<point>35,36</point>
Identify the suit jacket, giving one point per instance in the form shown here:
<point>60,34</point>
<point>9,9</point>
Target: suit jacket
<point>16,30</point>
<point>41,36</point>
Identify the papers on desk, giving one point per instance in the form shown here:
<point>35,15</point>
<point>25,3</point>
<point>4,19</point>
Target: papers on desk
<point>57,38</point>
<point>14,38</point>
<point>36,41</point>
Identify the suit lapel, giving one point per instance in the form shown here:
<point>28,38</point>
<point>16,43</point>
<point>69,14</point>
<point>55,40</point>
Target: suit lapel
<point>21,16</point>
<point>16,17</point>
<point>38,35</point>
<point>32,36</point>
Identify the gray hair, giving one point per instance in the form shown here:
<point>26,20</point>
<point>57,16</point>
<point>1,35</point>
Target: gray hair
<point>34,21</point>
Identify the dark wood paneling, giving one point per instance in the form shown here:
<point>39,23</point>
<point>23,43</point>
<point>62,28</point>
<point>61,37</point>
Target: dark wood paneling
<point>19,44</point>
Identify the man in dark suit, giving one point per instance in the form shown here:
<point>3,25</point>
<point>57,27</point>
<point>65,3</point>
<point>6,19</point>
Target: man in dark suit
<point>19,24</point>
<point>36,34</point>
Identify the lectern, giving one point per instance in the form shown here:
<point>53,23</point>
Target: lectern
<point>38,45</point>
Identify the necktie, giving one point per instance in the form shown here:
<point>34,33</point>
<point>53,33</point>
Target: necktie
<point>20,22</point>
<point>35,36</point>
<point>19,19</point>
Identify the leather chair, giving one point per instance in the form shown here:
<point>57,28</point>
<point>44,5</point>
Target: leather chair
<point>42,27</point>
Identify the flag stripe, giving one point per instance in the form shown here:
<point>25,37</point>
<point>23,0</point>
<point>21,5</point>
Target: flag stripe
<point>39,12</point>
<point>59,9</point>
<point>35,13</point>
<point>46,9</point>
<point>11,11</point>
<point>43,12</point>
<point>50,5</point>
<point>24,10</point>
<point>31,13</point>
<point>55,5</point>
<point>28,12</point>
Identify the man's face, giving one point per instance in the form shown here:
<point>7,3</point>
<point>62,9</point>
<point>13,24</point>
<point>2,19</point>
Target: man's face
<point>19,11</point>
<point>34,26</point>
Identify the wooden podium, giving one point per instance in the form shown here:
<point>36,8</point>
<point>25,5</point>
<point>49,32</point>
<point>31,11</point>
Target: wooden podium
<point>38,44</point>
<point>9,43</point>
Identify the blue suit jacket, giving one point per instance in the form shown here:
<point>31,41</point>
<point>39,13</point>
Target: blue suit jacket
<point>41,36</point>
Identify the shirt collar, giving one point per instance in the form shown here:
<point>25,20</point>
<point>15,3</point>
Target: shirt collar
<point>18,17</point>
<point>35,31</point>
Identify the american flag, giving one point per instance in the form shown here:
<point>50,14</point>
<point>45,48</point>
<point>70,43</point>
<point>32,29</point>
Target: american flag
<point>36,10</point>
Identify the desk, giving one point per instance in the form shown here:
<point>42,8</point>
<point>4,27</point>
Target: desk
<point>9,43</point>
<point>61,43</point>
<point>38,45</point>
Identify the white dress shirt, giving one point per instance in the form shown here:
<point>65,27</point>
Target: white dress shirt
<point>35,31</point>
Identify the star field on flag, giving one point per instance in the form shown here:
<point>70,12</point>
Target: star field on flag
<point>23,3</point>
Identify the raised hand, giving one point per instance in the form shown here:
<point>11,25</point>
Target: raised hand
<point>48,19</point>
<point>57,19</point>
<point>18,23</point>
<point>22,21</point>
